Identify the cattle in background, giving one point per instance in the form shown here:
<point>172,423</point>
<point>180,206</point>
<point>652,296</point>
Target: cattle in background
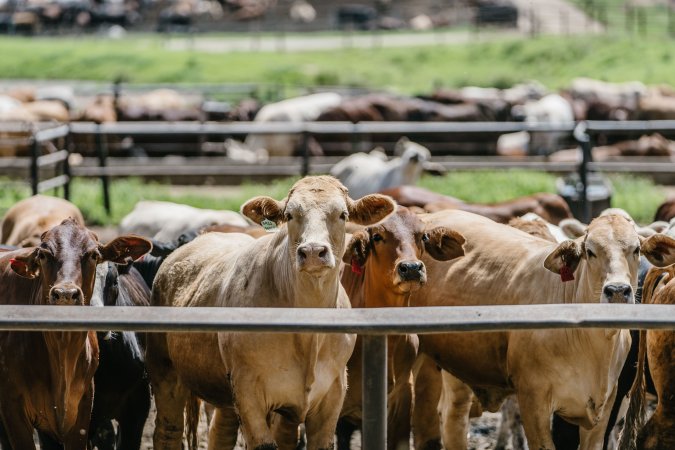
<point>357,16</point>
<point>382,268</point>
<point>547,375</point>
<point>294,267</point>
<point>657,347</point>
<point>60,272</point>
<point>367,173</point>
<point>607,101</point>
<point>647,145</point>
<point>27,219</point>
<point>166,221</point>
<point>292,110</point>
<point>122,386</point>
<point>666,211</point>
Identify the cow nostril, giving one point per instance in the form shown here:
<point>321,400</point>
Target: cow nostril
<point>323,253</point>
<point>301,253</point>
<point>402,268</point>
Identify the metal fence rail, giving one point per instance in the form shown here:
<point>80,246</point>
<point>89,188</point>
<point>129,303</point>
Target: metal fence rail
<point>375,324</point>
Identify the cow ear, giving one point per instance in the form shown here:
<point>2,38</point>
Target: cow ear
<point>122,248</point>
<point>357,250</point>
<point>659,249</point>
<point>443,244</point>
<point>26,264</point>
<point>565,259</point>
<point>370,209</point>
<point>263,208</point>
<point>572,228</point>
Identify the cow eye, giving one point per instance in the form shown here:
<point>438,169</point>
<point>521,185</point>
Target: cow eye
<point>93,256</point>
<point>377,237</point>
<point>637,251</point>
<point>425,237</point>
<point>343,216</point>
<point>289,217</point>
<point>42,256</point>
<point>590,254</point>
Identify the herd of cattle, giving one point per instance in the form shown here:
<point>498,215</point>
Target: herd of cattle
<point>530,102</point>
<point>319,247</point>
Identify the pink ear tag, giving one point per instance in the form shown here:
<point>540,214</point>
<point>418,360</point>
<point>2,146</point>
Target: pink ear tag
<point>566,273</point>
<point>16,263</point>
<point>356,267</point>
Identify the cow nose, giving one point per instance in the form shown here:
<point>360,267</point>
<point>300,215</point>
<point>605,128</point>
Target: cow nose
<point>410,270</point>
<point>618,292</point>
<point>66,294</point>
<point>314,255</point>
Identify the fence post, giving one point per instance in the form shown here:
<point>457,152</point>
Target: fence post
<point>374,429</point>
<point>305,153</point>
<point>66,165</point>
<point>586,156</point>
<point>102,163</point>
<point>34,171</point>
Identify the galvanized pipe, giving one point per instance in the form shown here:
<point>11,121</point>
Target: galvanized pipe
<point>374,423</point>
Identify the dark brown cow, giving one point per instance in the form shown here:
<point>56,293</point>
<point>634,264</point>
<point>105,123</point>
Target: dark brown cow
<point>48,376</point>
<point>658,346</point>
<point>666,211</point>
<point>550,207</point>
<point>383,268</point>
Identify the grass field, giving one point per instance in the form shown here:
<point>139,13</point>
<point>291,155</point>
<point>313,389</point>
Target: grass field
<point>637,195</point>
<point>554,61</point>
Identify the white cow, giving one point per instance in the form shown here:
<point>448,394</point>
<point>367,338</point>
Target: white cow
<point>366,173</point>
<point>293,110</point>
<point>166,221</point>
<point>551,110</point>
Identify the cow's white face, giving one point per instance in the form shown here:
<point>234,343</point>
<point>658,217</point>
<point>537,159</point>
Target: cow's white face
<point>315,212</point>
<point>611,248</point>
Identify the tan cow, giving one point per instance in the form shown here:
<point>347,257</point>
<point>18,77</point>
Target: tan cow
<point>570,372</point>
<point>26,220</point>
<point>383,268</point>
<point>248,376</point>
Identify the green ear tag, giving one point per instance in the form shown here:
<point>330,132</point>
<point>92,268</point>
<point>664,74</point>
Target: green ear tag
<point>269,226</point>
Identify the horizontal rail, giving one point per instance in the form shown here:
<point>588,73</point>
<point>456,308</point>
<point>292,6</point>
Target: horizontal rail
<point>51,133</point>
<point>52,183</point>
<point>311,320</point>
<point>52,158</point>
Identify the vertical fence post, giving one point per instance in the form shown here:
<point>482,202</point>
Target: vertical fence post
<point>102,163</point>
<point>585,143</point>
<point>374,428</point>
<point>66,165</point>
<point>34,170</point>
<point>305,153</point>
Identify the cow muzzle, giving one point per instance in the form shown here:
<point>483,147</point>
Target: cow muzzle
<point>315,258</point>
<point>66,294</point>
<point>410,274</point>
<point>617,293</point>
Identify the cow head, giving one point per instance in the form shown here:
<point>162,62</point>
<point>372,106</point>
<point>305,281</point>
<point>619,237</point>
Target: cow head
<point>66,261</point>
<point>392,250</point>
<point>315,213</point>
<point>611,250</point>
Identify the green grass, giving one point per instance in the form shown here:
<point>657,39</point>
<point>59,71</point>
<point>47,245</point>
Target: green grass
<point>619,20</point>
<point>638,195</point>
<point>554,61</point>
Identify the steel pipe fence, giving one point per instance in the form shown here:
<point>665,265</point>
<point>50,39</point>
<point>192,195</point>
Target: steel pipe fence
<point>375,324</point>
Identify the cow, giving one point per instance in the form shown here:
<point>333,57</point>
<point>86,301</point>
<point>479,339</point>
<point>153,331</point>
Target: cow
<point>382,268</point>
<point>366,174</point>
<point>536,226</point>
<point>656,346</point>
<point>166,221</point>
<point>295,267</point>
<point>503,265</point>
<point>666,211</point>
<point>26,220</point>
<point>122,386</point>
<point>57,399</point>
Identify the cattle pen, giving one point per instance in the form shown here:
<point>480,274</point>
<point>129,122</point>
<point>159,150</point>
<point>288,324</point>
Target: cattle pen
<point>375,324</point>
<point>584,133</point>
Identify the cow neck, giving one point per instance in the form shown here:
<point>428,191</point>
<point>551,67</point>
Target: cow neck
<point>66,352</point>
<point>298,289</point>
<point>378,295</point>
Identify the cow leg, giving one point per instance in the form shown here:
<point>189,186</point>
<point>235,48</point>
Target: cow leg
<point>253,411</point>
<point>320,424</point>
<point>536,418</point>
<point>510,426</point>
<point>285,432</point>
<point>344,431</point>
<point>454,408</point>
<point>133,417</point>
<point>594,438</point>
<point>77,438</point>
<point>170,395</point>
<point>400,397</point>
<point>223,428</point>
<point>19,430</point>
<point>425,424</point>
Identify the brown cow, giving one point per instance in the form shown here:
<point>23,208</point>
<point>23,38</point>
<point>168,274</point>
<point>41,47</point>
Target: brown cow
<point>48,376</point>
<point>301,376</point>
<point>658,346</point>
<point>504,266</point>
<point>383,268</point>
<point>26,220</point>
<point>550,207</point>
<point>666,211</point>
